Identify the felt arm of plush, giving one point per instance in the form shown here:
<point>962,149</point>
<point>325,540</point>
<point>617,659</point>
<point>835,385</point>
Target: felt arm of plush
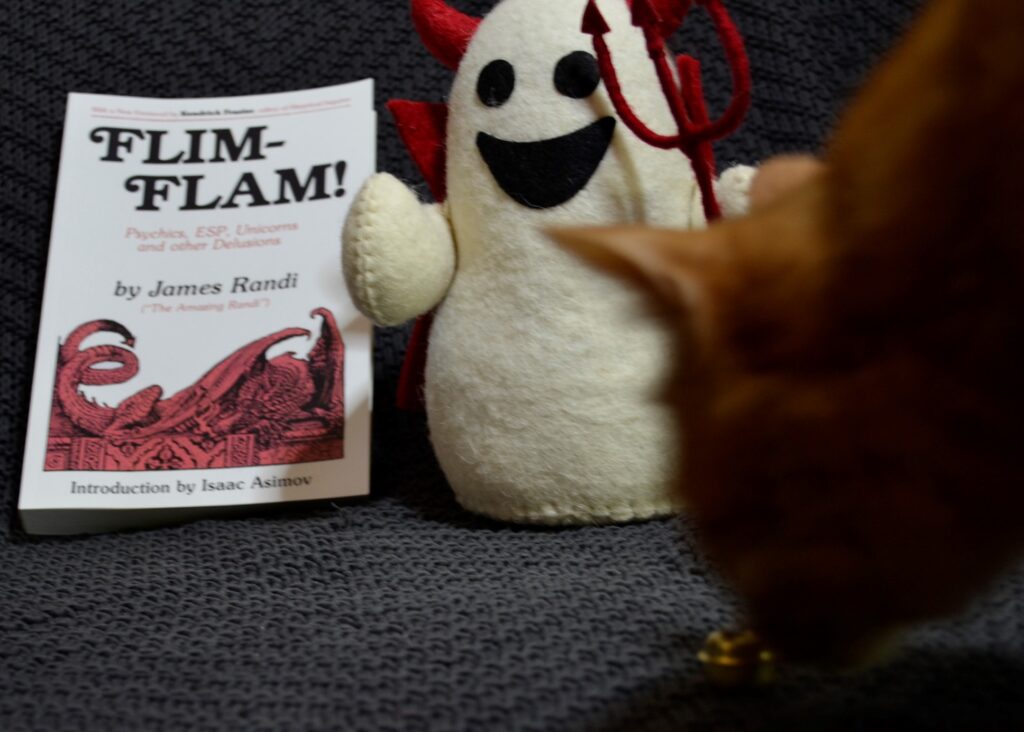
<point>398,254</point>
<point>733,190</point>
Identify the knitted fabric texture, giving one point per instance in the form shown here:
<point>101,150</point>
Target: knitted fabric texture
<point>401,612</point>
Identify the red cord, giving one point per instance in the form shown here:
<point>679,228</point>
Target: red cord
<point>686,101</point>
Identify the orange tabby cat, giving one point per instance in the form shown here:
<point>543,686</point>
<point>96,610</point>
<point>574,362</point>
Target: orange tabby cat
<point>850,387</point>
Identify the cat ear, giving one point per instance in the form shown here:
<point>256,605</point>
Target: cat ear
<point>671,266</point>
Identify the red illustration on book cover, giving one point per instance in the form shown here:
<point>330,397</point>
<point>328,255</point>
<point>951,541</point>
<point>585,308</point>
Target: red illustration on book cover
<point>247,410</point>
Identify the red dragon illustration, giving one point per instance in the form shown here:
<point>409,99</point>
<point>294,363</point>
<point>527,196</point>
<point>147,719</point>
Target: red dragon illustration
<point>246,410</point>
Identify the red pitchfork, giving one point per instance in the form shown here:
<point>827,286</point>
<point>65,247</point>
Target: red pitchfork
<point>685,98</point>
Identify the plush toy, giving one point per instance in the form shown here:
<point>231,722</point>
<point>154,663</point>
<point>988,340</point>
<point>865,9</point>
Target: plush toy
<point>543,379</point>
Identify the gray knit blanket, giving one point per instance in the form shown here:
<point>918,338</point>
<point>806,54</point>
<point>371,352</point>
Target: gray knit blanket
<point>402,611</point>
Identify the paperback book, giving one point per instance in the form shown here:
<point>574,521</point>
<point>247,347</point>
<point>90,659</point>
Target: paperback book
<point>197,348</point>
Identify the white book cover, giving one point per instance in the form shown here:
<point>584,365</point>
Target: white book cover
<point>197,346</point>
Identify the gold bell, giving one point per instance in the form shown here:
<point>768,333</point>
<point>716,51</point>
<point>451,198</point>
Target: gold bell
<point>737,659</point>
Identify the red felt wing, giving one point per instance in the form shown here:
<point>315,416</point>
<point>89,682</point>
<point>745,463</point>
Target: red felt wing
<point>423,126</point>
<point>411,379</point>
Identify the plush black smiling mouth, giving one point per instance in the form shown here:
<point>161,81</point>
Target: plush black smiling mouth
<point>547,173</point>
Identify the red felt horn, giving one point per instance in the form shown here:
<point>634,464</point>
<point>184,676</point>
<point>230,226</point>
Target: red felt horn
<point>445,31</point>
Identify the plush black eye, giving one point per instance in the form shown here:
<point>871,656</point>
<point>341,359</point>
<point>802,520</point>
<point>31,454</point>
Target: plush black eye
<point>496,83</point>
<point>577,75</point>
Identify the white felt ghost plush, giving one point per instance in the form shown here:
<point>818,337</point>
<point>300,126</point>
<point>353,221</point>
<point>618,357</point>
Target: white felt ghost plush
<point>542,377</point>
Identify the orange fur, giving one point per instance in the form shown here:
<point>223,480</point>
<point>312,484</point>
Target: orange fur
<point>849,384</point>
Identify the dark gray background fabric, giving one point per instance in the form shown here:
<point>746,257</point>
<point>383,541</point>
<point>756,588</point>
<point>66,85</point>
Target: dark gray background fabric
<point>401,612</point>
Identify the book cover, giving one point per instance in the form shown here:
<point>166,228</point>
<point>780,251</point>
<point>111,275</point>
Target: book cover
<point>197,347</point>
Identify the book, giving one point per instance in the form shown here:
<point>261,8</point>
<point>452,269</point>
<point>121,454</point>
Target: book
<point>197,347</point>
